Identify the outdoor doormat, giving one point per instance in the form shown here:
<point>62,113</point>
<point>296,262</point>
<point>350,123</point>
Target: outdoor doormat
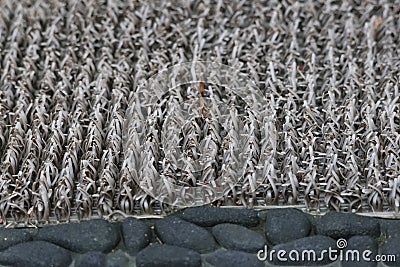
<point>114,108</point>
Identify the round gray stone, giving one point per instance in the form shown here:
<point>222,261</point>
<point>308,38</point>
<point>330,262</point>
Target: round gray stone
<point>231,258</point>
<point>10,237</point>
<point>311,247</point>
<point>175,231</point>
<point>93,235</point>
<point>284,225</point>
<point>237,237</point>
<point>353,253</point>
<point>345,225</point>
<point>390,228</point>
<point>162,255</point>
<point>391,246</point>
<point>35,254</point>
<point>209,216</point>
<point>135,234</point>
<point>92,259</point>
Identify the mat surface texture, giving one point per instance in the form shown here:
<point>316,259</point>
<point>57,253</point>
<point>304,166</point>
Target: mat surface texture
<point>321,130</point>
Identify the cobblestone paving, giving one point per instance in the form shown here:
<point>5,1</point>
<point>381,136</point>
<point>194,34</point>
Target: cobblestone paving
<point>198,237</point>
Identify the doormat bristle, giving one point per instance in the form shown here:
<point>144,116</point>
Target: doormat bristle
<point>329,72</point>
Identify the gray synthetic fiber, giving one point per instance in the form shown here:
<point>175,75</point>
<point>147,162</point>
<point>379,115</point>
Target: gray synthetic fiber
<point>328,71</point>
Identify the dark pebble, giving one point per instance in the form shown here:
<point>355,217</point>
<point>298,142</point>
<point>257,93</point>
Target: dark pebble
<point>284,225</point>
<point>391,247</point>
<point>311,247</point>
<point>35,254</point>
<point>93,235</point>
<point>175,231</point>
<point>92,259</point>
<point>136,234</point>
<point>390,228</point>
<point>11,237</point>
<point>353,253</point>
<point>209,216</point>
<point>162,255</point>
<point>237,237</point>
<point>345,225</point>
<point>231,258</point>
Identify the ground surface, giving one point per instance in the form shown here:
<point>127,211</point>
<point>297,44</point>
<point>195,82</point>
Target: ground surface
<point>322,131</point>
<point>327,73</point>
<point>207,236</point>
